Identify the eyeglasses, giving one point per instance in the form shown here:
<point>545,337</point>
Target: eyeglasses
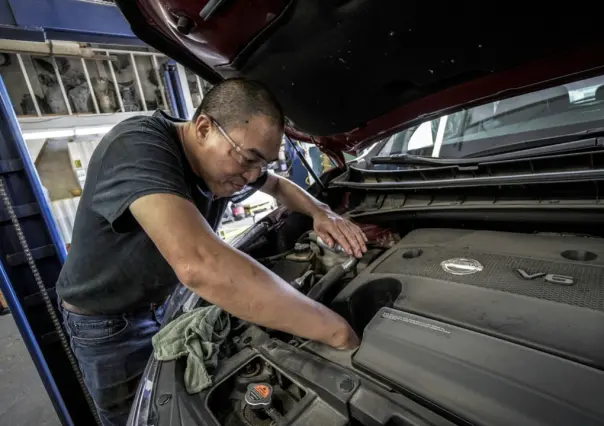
<point>245,158</point>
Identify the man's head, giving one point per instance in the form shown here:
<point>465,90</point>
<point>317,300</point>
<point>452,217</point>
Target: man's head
<point>234,133</point>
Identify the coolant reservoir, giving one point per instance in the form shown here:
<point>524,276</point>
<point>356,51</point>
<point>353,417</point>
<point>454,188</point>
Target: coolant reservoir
<point>327,256</point>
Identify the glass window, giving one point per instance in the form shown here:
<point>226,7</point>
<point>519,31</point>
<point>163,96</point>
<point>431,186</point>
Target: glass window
<point>45,83</point>
<point>103,86</point>
<point>545,113</point>
<point>126,81</point>
<point>15,85</point>
<point>149,82</point>
<point>112,79</point>
<point>76,86</point>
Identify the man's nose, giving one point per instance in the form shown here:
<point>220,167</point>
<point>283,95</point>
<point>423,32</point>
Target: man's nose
<point>251,175</point>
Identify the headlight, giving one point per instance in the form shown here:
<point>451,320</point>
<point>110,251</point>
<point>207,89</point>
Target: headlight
<point>141,413</point>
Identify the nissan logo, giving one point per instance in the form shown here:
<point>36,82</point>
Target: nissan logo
<point>461,266</point>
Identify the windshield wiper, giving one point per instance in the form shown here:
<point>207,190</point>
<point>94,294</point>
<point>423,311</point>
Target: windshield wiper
<point>407,159</point>
<point>544,145</point>
<point>414,160</point>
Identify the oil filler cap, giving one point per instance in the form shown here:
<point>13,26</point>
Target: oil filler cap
<point>259,395</point>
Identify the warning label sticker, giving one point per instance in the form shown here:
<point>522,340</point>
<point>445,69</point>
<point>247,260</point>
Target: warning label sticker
<point>262,390</point>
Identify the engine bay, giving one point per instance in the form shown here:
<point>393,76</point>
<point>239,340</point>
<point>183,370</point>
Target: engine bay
<point>458,326</point>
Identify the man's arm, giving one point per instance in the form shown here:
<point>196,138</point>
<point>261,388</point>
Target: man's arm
<point>328,225</point>
<point>231,279</point>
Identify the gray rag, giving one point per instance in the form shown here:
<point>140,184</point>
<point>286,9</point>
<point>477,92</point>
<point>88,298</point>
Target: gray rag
<point>196,335</point>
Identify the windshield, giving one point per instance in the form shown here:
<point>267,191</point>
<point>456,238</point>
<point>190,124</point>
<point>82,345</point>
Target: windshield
<point>557,111</point>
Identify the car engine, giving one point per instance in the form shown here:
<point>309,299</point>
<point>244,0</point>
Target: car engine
<point>458,327</point>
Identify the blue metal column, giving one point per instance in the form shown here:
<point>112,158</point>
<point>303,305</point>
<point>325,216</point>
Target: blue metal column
<point>177,90</point>
<point>21,187</point>
<point>176,106</point>
<point>174,111</point>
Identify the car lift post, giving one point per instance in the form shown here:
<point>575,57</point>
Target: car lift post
<point>31,256</point>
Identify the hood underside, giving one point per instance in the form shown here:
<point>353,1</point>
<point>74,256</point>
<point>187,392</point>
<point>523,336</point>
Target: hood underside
<point>350,72</point>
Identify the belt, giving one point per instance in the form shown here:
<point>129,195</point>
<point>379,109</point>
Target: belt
<point>79,311</point>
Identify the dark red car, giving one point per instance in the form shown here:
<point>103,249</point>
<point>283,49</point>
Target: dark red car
<point>481,299</point>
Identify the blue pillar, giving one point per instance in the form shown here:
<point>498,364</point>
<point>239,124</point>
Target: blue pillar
<point>174,106</point>
<point>17,281</point>
<point>177,90</point>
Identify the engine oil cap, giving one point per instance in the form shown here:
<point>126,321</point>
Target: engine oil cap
<point>259,395</point>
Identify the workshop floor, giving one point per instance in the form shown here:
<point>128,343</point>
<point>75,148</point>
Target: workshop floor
<point>23,400</point>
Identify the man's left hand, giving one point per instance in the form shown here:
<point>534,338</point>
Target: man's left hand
<point>333,228</point>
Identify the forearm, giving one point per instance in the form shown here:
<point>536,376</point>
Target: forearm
<point>296,199</point>
<point>231,279</point>
<point>249,291</point>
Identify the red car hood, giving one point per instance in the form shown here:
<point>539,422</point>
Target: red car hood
<point>350,72</point>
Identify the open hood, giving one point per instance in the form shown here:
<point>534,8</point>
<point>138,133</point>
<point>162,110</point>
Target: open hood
<point>350,72</point>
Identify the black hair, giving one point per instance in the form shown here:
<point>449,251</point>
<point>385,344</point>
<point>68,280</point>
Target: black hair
<point>234,101</point>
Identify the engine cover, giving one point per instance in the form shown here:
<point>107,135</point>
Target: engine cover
<point>502,328</point>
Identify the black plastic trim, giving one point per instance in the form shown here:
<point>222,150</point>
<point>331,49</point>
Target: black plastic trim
<point>482,378</point>
<point>523,179</point>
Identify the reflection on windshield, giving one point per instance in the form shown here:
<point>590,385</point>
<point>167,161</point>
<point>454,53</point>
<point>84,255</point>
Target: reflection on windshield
<point>546,113</point>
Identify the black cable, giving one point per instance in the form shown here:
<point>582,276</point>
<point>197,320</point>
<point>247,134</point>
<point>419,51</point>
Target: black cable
<point>303,237</point>
<point>278,256</point>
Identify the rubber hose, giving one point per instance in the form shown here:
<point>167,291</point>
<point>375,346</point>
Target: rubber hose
<point>255,233</point>
<point>276,257</point>
<point>327,282</point>
<point>303,237</point>
<point>260,242</point>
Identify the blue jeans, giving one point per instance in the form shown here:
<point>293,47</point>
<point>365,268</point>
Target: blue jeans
<point>112,351</point>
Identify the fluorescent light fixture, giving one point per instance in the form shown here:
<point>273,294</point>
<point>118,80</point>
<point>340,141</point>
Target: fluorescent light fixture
<point>45,134</point>
<point>97,130</point>
<point>66,133</point>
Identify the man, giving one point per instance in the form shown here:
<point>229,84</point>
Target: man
<point>155,190</point>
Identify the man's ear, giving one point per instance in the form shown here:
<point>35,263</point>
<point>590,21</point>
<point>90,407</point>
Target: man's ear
<point>203,126</point>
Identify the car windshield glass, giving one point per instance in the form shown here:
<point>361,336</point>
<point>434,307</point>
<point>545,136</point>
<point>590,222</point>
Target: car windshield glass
<point>561,110</point>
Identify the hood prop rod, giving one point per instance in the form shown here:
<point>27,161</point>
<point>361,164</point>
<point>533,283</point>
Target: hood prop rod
<point>307,166</point>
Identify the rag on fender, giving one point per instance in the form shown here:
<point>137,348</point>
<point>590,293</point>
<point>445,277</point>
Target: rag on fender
<point>196,335</point>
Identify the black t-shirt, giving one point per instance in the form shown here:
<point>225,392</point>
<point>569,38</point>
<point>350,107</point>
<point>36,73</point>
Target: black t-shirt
<point>113,266</point>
